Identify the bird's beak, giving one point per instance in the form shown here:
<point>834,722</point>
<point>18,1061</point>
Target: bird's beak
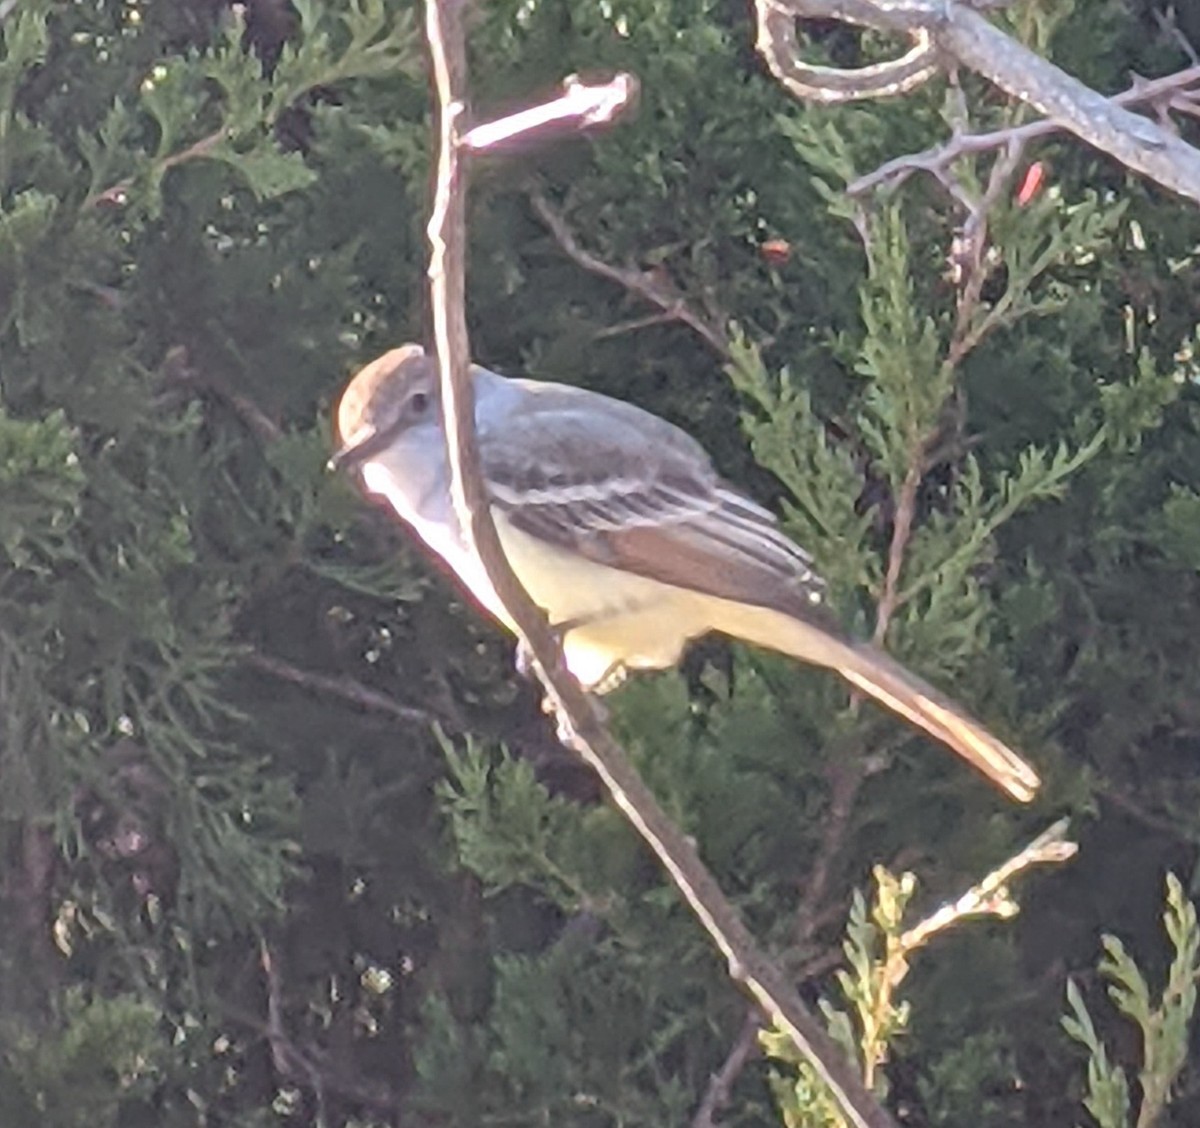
<point>339,458</point>
<point>357,449</point>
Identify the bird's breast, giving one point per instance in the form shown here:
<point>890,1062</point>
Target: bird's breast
<point>611,617</point>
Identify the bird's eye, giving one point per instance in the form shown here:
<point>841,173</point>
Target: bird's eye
<point>418,403</point>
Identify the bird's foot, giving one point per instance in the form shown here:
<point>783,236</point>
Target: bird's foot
<point>611,679</point>
<point>525,664</point>
<point>524,660</point>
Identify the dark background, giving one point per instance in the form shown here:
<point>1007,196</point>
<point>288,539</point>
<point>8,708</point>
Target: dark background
<point>244,881</point>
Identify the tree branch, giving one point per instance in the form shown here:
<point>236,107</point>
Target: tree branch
<point>991,896</point>
<point>116,195</point>
<point>345,688</point>
<point>779,45</point>
<point>720,1085</point>
<point>938,159</point>
<point>178,371</point>
<point>308,1065</point>
<point>902,522</point>
<point>964,37</point>
<point>846,774</point>
<point>970,268</point>
<point>580,104</point>
<point>578,720</point>
<point>642,283</point>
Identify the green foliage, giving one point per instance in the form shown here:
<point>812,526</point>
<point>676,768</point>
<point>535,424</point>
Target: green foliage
<point>40,484</point>
<point>878,948</point>
<point>967,1082</point>
<point>1163,1026</point>
<point>509,830</point>
<point>217,106</point>
<point>242,880</point>
<point>788,436</point>
<point>103,1056</point>
<point>873,949</point>
<point>908,363</point>
<point>1108,1089</point>
<point>869,985</point>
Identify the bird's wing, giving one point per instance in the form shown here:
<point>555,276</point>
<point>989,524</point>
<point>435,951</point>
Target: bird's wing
<point>625,488</point>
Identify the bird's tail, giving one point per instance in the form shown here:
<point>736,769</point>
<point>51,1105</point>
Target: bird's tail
<point>870,670</point>
<point>892,685</point>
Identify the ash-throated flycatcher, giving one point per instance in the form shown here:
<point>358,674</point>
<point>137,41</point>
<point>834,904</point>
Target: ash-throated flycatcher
<point>620,529</point>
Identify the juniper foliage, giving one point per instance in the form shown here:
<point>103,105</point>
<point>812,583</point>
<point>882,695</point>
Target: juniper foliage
<point>285,840</point>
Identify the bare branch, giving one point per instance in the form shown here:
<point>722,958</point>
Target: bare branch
<point>964,37</point>
<point>720,1085</point>
<point>579,723</point>
<point>1168,24</point>
<point>846,774</point>
<point>634,324</point>
<point>178,370</point>
<point>1130,807</point>
<point>902,522</point>
<point>938,160</point>
<point>581,104</point>
<point>310,1066</point>
<point>648,286</point>
<point>991,896</point>
<point>290,1061</point>
<point>345,688</point>
<point>972,246</point>
<point>117,194</point>
<point>777,41</point>
<point>971,270</point>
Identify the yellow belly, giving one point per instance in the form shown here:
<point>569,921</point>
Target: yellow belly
<point>610,618</point>
<point>613,618</point>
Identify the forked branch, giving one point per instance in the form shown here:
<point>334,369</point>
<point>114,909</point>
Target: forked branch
<point>949,34</point>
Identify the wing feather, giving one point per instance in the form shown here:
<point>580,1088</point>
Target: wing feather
<point>628,489</point>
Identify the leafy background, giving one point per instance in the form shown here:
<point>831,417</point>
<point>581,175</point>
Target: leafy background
<point>285,841</point>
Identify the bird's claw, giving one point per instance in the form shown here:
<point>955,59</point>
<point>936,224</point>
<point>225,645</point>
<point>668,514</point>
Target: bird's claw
<point>525,664</point>
<point>611,679</point>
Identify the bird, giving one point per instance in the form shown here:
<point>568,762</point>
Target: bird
<point>619,527</point>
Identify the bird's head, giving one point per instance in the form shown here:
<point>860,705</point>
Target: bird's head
<point>397,391</point>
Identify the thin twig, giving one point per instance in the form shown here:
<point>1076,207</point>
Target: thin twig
<point>634,324</point>
<point>956,35</point>
<point>1168,24</point>
<point>822,963</point>
<point>814,966</point>
<point>939,158</point>
<point>178,370</point>
<point>646,285</point>
<point>902,523</point>
<point>579,724</point>
<point>969,331</point>
<point>847,774</point>
<point>720,1085</point>
<point>991,896</point>
<point>1130,807</point>
<point>973,243</point>
<point>308,1066</point>
<point>290,1062</point>
<point>581,104</point>
<point>345,688</point>
<point>117,194</point>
